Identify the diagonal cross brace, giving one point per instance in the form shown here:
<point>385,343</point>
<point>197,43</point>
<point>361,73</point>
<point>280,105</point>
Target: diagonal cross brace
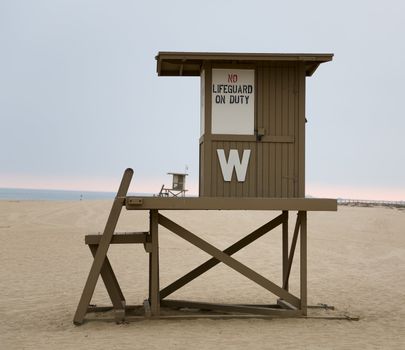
<point>209,264</point>
<point>228,260</point>
<point>110,281</point>
<point>292,249</point>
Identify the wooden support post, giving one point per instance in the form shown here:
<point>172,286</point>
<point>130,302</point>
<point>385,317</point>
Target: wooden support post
<point>103,246</point>
<point>154,297</point>
<point>285,249</point>
<point>303,263</point>
<point>292,250</point>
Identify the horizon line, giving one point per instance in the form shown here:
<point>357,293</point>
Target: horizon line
<point>309,195</point>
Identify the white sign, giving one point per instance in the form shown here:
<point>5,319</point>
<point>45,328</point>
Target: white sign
<point>233,101</point>
<point>233,162</point>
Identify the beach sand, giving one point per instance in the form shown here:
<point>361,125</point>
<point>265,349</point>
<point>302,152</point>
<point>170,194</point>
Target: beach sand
<point>356,262</point>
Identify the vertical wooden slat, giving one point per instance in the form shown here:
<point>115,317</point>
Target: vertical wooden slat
<point>272,99</point>
<point>201,166</point>
<point>218,172</point>
<point>236,185</point>
<point>285,249</point>
<point>291,94</point>
<point>279,169</point>
<point>252,170</point>
<point>292,249</point>
<point>236,188</point>
<point>297,131</point>
<point>221,184</point>
<point>244,186</point>
<point>271,166</point>
<point>272,169</point>
<point>301,154</point>
<point>260,170</point>
<point>260,124</point>
<point>303,263</point>
<point>154,264</point>
<point>279,159</point>
<point>284,146</point>
<point>208,128</point>
<point>226,185</point>
<point>215,175</point>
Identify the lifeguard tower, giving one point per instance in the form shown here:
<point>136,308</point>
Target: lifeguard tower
<point>252,157</point>
<point>178,188</point>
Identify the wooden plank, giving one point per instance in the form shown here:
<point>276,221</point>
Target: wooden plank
<point>301,131</point>
<point>227,260</point>
<point>238,186</point>
<point>267,102</point>
<point>271,148</point>
<point>120,238</point>
<point>303,263</point>
<point>154,264</point>
<point>220,203</point>
<point>223,316</point>
<point>272,171</point>
<point>278,138</point>
<point>284,131</point>
<point>252,190</point>
<point>217,176</point>
<point>285,249</point>
<point>279,131</point>
<point>103,248</point>
<point>198,271</point>
<point>208,161</point>
<point>296,130</point>
<point>232,308</point>
<point>181,57</point>
<point>292,251</point>
<point>291,180</point>
<point>271,109</point>
<point>260,171</point>
<point>201,167</point>
<point>252,138</point>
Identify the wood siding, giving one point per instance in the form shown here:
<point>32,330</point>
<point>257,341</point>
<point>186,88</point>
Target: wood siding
<point>277,161</point>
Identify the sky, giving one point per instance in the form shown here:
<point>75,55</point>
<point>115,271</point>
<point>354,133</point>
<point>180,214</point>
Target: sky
<point>80,99</point>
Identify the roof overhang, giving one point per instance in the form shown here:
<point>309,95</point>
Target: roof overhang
<point>190,63</point>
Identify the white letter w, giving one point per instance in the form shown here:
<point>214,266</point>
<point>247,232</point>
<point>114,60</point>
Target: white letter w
<point>234,162</point>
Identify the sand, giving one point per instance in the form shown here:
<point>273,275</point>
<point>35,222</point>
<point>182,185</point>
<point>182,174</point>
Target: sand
<point>356,262</point>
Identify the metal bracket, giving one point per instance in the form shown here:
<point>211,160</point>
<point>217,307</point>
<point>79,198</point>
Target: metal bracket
<point>260,132</point>
<point>134,201</point>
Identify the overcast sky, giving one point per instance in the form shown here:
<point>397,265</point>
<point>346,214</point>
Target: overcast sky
<point>80,99</point>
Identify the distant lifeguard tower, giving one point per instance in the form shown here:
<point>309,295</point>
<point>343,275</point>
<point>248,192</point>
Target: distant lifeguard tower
<point>178,188</point>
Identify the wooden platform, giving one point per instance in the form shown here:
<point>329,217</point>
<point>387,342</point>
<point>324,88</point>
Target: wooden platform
<point>219,203</point>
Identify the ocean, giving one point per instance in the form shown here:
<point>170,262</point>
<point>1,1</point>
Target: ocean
<point>57,195</point>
